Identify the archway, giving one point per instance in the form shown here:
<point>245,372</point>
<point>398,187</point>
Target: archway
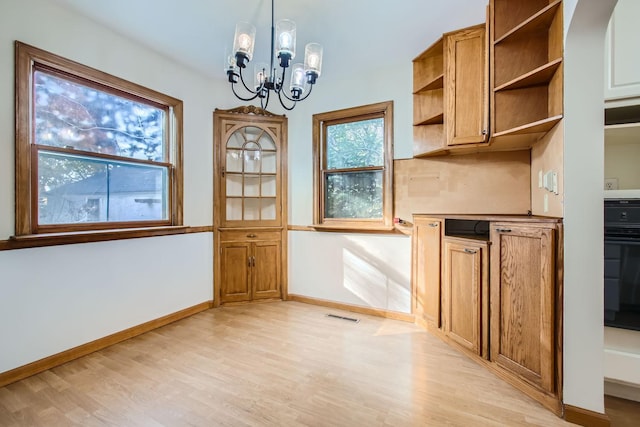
<point>586,24</point>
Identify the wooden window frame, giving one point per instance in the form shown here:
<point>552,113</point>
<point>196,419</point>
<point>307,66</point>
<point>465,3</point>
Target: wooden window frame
<point>27,60</point>
<point>320,123</point>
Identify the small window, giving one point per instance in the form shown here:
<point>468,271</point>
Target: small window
<point>353,151</point>
<point>93,151</point>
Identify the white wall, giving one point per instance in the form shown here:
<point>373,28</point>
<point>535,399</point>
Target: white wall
<point>585,22</point>
<point>360,269</point>
<point>621,162</point>
<point>56,298</point>
<point>59,297</point>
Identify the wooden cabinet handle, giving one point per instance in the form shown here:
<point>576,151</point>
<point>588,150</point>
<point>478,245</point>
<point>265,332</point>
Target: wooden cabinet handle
<point>251,236</point>
<point>434,224</point>
<point>253,261</point>
<point>470,251</point>
<point>503,230</point>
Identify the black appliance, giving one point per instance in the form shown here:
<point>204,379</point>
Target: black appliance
<point>622,263</point>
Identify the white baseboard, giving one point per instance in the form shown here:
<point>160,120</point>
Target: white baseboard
<point>622,390</point>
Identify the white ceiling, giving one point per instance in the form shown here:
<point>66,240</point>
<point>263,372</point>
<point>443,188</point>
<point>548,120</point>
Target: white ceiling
<point>357,35</point>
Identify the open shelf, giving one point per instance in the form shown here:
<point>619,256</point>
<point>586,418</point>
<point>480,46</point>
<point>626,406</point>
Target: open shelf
<point>437,83</point>
<point>541,21</point>
<point>428,67</point>
<point>433,120</point>
<point>539,127</point>
<point>526,71</point>
<point>428,139</point>
<point>539,76</point>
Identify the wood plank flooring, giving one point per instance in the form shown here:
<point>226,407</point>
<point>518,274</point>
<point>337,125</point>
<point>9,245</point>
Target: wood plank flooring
<point>272,364</point>
<point>622,412</point>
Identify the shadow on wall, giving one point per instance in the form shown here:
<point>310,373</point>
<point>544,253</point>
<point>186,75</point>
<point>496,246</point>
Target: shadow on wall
<point>371,278</point>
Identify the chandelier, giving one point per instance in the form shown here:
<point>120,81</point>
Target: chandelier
<point>266,78</point>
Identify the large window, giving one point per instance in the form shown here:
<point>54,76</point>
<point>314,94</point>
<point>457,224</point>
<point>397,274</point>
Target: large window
<point>353,151</point>
<point>93,151</point>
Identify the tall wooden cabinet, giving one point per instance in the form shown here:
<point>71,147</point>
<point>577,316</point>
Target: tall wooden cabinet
<point>250,205</point>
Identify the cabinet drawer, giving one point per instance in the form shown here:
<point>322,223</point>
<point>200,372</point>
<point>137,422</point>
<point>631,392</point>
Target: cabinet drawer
<point>249,235</point>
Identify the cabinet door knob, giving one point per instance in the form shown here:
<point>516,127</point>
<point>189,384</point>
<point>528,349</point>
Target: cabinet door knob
<point>251,236</point>
<point>470,251</point>
<point>433,224</point>
<point>503,230</point>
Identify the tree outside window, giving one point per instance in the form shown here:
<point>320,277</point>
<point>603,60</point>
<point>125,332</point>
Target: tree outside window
<point>353,154</point>
<point>96,152</point>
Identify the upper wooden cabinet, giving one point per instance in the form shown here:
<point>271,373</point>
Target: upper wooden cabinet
<point>526,78</point>
<point>470,95</point>
<point>466,112</point>
<point>450,93</point>
<point>249,168</point>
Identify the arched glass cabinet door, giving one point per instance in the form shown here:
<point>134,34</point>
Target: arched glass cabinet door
<point>250,183</point>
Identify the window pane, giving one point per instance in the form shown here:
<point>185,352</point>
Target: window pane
<point>268,209</point>
<point>353,195</point>
<point>251,209</point>
<point>234,185</point>
<point>74,189</point>
<point>355,144</point>
<point>68,114</point>
<point>234,209</point>
<point>234,160</point>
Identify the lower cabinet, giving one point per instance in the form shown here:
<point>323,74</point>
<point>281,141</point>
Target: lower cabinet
<point>523,289</point>
<point>426,270</point>
<point>498,295</point>
<point>249,265</point>
<point>465,285</point>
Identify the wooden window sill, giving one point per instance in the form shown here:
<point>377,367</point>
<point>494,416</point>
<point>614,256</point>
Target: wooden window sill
<point>345,228</point>
<point>55,239</point>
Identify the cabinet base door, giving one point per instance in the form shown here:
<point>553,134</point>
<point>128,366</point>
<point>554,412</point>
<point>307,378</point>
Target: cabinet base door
<point>235,265</point>
<point>522,302</point>
<point>464,279</point>
<point>427,239</point>
<point>266,271</point>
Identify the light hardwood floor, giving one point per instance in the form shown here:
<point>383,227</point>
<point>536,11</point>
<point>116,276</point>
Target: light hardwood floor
<point>272,364</point>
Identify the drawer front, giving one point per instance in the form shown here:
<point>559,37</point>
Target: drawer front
<point>249,235</point>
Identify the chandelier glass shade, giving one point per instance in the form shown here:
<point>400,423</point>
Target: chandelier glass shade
<point>267,78</point>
